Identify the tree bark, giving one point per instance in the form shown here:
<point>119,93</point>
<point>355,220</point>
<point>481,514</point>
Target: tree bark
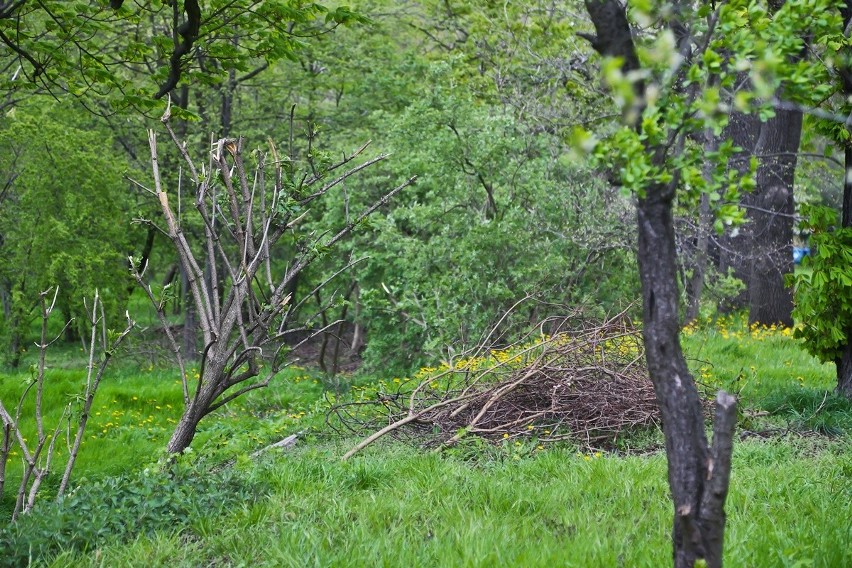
<point>190,321</point>
<point>680,405</point>
<point>844,362</point>
<point>698,478</point>
<point>694,285</point>
<point>735,250</point>
<point>771,219</point>
<point>844,371</point>
<point>186,428</point>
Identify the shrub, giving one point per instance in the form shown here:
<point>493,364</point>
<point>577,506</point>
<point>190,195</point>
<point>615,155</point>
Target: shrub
<point>123,507</point>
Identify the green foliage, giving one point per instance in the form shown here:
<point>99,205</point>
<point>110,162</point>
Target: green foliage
<point>65,219</point>
<point>685,106</point>
<point>125,507</point>
<point>119,59</point>
<point>497,213</point>
<point>823,304</point>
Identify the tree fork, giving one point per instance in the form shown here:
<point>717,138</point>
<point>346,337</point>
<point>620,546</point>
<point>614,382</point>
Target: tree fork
<point>698,475</point>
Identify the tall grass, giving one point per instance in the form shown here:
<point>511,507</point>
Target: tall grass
<point>397,506</point>
<point>790,502</point>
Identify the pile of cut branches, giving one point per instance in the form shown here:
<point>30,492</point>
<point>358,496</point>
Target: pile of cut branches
<point>585,381</point>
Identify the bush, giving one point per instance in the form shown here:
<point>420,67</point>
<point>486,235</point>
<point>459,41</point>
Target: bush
<point>124,507</point>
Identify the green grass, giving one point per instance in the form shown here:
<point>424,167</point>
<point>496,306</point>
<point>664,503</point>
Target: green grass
<point>396,506</point>
<point>134,413</point>
<point>790,502</point>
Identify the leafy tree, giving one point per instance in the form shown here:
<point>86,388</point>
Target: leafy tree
<point>129,53</point>
<point>678,86</point>
<point>64,221</point>
<point>823,284</point>
<point>671,86</point>
<point>498,213</point>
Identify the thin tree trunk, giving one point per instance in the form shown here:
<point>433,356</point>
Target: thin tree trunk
<point>190,322</point>
<point>227,113</point>
<point>6,300</point>
<point>146,255</point>
<point>680,405</point>
<point>186,428</point>
<point>5,445</point>
<point>15,347</point>
<point>358,332</point>
<point>844,362</point>
<point>695,284</point>
<point>844,371</point>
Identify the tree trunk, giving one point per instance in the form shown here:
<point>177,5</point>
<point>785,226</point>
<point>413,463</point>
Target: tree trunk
<point>227,111</point>
<point>694,286</point>
<point>358,333</point>
<point>15,343</point>
<point>210,388</point>
<point>844,362</point>
<point>771,218</point>
<point>186,427</point>
<point>844,371</point>
<point>146,255</point>
<point>190,322</point>
<point>698,476</point>
<point>735,250</point>
<point>680,406</point>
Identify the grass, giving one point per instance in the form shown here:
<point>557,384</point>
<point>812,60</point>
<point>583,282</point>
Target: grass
<point>790,502</point>
<point>396,506</point>
<point>135,412</point>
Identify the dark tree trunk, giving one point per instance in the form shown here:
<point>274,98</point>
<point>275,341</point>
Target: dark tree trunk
<point>15,349</point>
<point>844,362</point>
<point>146,255</point>
<point>184,431</point>
<point>698,475</point>
<point>186,428</point>
<point>227,113</point>
<point>6,300</point>
<point>210,387</point>
<point>71,332</point>
<point>844,371</point>
<point>771,219</point>
<point>680,405</point>
<point>735,250</point>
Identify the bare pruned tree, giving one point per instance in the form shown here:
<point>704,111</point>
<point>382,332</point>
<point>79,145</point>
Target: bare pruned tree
<point>240,287</point>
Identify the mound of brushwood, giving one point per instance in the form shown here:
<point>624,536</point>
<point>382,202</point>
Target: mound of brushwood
<point>585,381</point>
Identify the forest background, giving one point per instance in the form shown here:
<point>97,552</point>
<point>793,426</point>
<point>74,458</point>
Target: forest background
<point>526,186</point>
